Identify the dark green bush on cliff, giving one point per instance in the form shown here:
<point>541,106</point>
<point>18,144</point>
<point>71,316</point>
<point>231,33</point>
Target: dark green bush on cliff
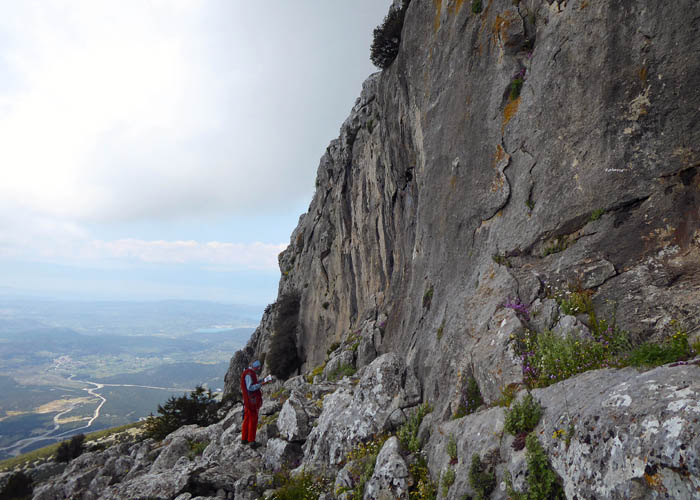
<point>17,487</point>
<point>283,358</point>
<point>68,450</point>
<point>199,408</point>
<point>387,38</point>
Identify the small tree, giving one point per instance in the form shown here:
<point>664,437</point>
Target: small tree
<point>283,358</point>
<point>387,38</point>
<point>68,450</point>
<point>17,487</point>
<point>200,408</point>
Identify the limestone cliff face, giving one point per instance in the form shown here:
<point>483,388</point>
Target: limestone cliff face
<point>444,195</point>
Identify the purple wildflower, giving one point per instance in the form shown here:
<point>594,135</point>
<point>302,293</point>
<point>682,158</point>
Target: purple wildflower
<point>518,307</point>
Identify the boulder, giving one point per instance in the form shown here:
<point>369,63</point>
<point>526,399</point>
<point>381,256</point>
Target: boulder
<point>293,421</point>
<point>390,479</point>
<point>280,454</point>
<point>352,415</point>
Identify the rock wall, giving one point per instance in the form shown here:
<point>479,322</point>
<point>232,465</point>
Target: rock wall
<point>445,196</point>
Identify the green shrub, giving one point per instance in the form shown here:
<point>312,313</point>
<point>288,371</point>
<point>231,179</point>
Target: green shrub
<point>199,408</point>
<point>481,478</point>
<point>515,87</point>
<point>408,432</point>
<point>68,450</point>
<point>550,358</point>
<point>332,348</point>
<point>472,396</point>
<point>597,214</point>
<point>508,394</point>
<point>543,483</point>
<point>441,330</point>
<point>423,487</point>
<point>387,38</point>
<point>452,449</point>
<point>196,448</point>
<point>363,459</point>
<point>18,487</point>
<point>342,371</point>
<point>559,244</point>
<point>577,302</point>
<point>448,479</point>
<point>303,486</point>
<point>283,358</point>
<point>315,372</point>
<point>675,348</point>
<point>476,6</point>
<point>523,416</point>
<point>428,297</point>
<point>501,260</point>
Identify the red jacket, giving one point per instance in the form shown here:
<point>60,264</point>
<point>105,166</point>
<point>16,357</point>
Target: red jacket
<point>252,399</point>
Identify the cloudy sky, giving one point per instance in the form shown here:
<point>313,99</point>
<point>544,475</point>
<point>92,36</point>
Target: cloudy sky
<point>155,149</point>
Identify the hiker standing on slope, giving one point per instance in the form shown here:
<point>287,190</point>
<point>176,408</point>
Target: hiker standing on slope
<point>252,401</point>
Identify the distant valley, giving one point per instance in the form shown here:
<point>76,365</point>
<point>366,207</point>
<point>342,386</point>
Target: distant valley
<point>70,367</point>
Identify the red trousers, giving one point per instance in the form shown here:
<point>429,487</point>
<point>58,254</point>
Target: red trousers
<point>250,424</point>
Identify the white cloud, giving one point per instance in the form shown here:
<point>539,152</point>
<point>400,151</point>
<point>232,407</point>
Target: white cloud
<point>125,110</point>
<point>216,254</point>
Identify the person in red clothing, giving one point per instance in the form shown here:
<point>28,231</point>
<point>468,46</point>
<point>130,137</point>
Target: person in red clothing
<point>252,401</point>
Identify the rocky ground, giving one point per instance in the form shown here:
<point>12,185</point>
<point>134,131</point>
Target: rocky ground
<point>608,434</point>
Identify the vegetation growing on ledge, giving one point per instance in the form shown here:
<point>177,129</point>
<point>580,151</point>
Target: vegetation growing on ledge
<point>470,399</point>
<point>481,478</point>
<point>387,38</point>
<point>199,408</point>
<point>523,416</point>
<point>543,483</point>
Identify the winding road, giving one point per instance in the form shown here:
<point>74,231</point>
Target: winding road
<point>17,447</point>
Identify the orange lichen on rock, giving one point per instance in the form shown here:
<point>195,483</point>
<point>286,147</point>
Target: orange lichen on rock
<point>438,11</point>
<point>455,6</point>
<point>500,154</point>
<point>509,112</point>
<point>500,25</point>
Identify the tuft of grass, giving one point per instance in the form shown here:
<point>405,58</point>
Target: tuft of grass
<point>316,371</point>
<point>523,416</point>
<point>448,479</point>
<point>543,483</point>
<point>501,260</point>
<point>408,432</point>
<point>559,244</point>
<point>196,448</point>
<point>674,348</point>
<point>341,372</point>
<point>452,449</point>
<point>508,394</point>
<point>363,459</point>
<point>471,399</point>
<point>576,302</point>
<point>597,214</point>
<point>428,297</point>
<point>424,488</point>
<point>515,87</point>
<point>441,330</point>
<point>303,486</point>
